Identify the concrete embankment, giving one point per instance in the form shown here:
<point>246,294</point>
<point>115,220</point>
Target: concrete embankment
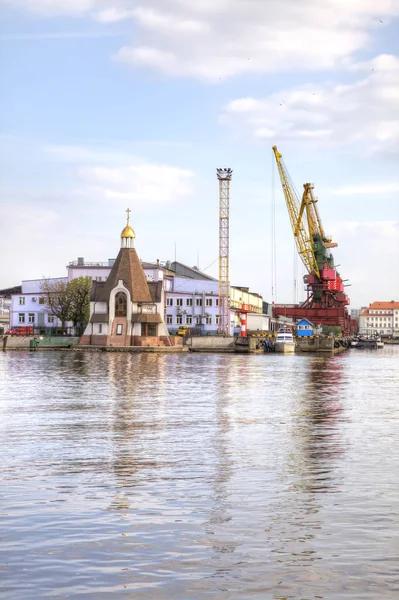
<point>322,345</point>
<point>212,343</point>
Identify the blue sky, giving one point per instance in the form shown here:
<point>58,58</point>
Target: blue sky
<point>107,104</point>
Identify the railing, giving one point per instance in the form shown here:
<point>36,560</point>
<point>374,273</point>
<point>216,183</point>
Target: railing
<point>75,263</point>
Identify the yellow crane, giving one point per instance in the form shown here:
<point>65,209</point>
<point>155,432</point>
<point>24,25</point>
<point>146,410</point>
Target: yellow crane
<point>310,238</point>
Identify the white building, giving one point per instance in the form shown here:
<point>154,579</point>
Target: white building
<point>380,317</point>
<point>190,296</point>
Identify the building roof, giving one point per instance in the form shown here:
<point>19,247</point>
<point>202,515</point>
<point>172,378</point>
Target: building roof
<point>155,288</point>
<point>392,305</point>
<point>384,305</point>
<point>143,318</point>
<point>305,319</point>
<point>8,292</point>
<point>191,272</point>
<point>127,267</point>
<point>99,318</point>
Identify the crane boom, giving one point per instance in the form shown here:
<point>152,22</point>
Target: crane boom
<point>326,299</point>
<point>295,210</point>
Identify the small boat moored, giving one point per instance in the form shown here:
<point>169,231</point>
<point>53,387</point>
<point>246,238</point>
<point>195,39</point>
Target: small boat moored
<point>285,341</point>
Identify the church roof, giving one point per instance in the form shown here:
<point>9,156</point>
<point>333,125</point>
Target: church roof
<point>127,267</point>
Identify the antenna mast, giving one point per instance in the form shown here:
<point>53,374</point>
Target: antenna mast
<point>224,177</point>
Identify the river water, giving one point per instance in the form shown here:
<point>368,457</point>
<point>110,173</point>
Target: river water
<point>180,477</point>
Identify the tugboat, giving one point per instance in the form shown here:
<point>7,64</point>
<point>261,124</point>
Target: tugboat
<point>285,341</point>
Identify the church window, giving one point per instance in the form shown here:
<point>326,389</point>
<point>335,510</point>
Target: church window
<point>120,305</point>
<point>149,329</point>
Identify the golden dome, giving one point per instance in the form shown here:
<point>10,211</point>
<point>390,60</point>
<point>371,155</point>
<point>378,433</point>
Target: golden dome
<point>128,232</point>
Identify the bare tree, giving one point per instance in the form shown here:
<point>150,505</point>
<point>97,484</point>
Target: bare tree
<point>58,300</point>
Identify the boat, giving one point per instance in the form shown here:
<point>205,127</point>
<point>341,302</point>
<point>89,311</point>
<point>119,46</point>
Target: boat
<point>285,341</point>
<point>367,341</point>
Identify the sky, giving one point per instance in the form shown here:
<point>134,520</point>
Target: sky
<point>110,104</point>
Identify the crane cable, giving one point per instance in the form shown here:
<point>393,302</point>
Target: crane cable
<point>273,235</point>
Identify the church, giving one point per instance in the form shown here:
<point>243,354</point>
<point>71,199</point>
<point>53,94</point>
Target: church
<point>126,309</point>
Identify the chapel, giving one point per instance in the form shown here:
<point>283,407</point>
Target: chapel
<point>126,309</point>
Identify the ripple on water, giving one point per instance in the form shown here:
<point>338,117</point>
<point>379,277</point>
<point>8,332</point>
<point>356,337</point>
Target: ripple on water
<point>234,477</point>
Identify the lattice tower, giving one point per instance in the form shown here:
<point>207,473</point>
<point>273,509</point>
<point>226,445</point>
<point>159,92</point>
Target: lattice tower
<point>224,177</point>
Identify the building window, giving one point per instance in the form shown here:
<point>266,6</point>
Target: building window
<point>21,318</point>
<point>120,305</point>
<point>21,300</point>
<point>198,320</point>
<point>198,302</point>
<point>100,328</point>
<point>119,329</point>
<point>169,301</point>
<point>217,302</point>
<point>209,320</point>
<point>31,318</point>
<point>189,320</point>
<point>41,300</point>
<point>217,320</point>
<point>179,320</point>
<point>50,319</point>
<point>179,301</point>
<point>208,302</point>
<point>169,319</point>
<point>189,301</point>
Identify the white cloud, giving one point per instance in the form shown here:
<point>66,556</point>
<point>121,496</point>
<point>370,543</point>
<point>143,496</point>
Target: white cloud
<point>216,39</point>
<point>364,112</point>
<point>368,252</point>
<point>50,8</point>
<point>139,183</point>
<point>366,189</point>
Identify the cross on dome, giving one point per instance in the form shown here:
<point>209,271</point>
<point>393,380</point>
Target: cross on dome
<point>127,235</point>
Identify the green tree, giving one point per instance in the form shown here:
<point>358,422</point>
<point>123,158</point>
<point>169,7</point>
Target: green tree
<point>79,290</point>
<point>334,330</point>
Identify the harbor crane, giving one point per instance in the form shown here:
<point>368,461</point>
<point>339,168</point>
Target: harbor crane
<point>326,301</point>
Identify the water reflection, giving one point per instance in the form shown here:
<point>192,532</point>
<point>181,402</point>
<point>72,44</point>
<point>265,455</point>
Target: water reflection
<point>153,477</point>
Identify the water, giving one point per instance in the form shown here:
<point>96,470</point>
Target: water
<point>199,476</point>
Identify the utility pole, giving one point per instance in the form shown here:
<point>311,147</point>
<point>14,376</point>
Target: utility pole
<point>224,177</point>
